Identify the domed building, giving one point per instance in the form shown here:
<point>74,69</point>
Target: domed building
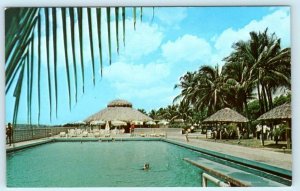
<point>119,110</point>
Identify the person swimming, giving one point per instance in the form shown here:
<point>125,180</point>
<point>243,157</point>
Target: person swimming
<point>146,166</point>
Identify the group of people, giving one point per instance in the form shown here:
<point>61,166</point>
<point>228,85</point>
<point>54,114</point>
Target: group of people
<point>9,134</point>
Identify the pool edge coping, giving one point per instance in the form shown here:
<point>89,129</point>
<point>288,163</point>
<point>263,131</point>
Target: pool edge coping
<point>250,163</point>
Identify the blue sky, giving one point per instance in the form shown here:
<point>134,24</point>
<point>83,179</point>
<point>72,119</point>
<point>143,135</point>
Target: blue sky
<point>156,54</point>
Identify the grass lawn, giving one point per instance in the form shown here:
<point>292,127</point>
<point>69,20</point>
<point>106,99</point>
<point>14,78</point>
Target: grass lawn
<point>254,143</point>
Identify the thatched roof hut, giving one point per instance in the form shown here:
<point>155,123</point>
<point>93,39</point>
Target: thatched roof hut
<point>282,112</point>
<point>119,110</point>
<point>226,115</point>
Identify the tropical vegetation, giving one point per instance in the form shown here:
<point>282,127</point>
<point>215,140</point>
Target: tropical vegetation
<point>252,74</point>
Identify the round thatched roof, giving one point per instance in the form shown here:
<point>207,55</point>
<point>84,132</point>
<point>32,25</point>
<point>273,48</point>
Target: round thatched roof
<point>226,115</point>
<point>119,110</point>
<point>281,112</point>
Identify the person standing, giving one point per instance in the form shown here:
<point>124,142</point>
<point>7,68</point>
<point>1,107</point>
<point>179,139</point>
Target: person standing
<point>131,129</point>
<point>9,133</point>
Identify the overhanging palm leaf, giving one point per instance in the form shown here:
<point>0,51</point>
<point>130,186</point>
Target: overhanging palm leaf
<point>20,50</point>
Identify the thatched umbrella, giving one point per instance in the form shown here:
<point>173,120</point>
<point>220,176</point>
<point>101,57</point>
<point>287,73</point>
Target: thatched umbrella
<point>136,122</point>
<point>118,123</point>
<point>226,115</point>
<point>97,122</point>
<point>150,123</point>
<point>163,122</point>
<point>119,110</point>
<point>283,113</point>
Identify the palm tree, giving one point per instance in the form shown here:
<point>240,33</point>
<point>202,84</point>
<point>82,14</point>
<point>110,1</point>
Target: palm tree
<point>153,114</point>
<point>23,52</point>
<point>188,83</point>
<point>202,89</point>
<point>266,65</point>
<point>142,111</point>
<point>210,89</point>
<point>238,82</point>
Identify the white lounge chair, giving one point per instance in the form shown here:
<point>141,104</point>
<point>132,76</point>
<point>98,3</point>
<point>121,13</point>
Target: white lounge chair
<point>62,134</point>
<point>84,134</point>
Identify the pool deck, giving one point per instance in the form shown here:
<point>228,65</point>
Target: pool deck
<point>281,160</point>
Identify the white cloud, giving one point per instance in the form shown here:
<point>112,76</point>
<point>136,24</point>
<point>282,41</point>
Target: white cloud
<point>278,22</point>
<point>137,75</point>
<point>138,81</point>
<point>187,48</point>
<point>140,42</point>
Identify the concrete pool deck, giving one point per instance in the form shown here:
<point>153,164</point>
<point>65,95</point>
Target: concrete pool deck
<point>281,160</point>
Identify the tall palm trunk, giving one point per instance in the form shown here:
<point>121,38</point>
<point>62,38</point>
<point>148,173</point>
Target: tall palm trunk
<point>270,99</point>
<point>263,89</point>
<point>261,105</point>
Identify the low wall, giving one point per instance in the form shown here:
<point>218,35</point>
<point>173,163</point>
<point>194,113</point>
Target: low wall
<point>169,131</point>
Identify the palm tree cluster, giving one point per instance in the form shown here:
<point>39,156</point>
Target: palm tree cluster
<point>178,111</point>
<point>257,67</point>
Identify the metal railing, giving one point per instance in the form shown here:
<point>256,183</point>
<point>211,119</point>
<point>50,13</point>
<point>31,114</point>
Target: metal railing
<point>216,181</point>
<point>20,135</point>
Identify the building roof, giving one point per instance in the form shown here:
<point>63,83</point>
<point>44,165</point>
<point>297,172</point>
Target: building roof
<point>226,115</point>
<point>119,110</point>
<point>283,112</point>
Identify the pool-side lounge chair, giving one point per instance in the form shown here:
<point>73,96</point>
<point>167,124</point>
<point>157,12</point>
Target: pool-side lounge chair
<point>62,134</point>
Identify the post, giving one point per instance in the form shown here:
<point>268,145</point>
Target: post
<point>288,134</point>
<point>186,136</point>
<point>262,135</point>
<point>204,180</point>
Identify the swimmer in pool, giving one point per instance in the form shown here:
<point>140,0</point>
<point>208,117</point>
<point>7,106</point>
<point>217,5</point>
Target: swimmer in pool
<point>146,166</point>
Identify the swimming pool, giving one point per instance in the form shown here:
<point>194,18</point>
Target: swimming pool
<point>119,162</point>
<point>102,164</point>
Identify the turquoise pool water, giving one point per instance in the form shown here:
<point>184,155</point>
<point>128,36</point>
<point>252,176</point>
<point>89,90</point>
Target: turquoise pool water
<point>102,164</point>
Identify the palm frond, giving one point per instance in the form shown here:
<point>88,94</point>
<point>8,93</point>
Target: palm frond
<point>123,18</point>
<point>117,27</point>
<point>91,42</point>
<point>39,67</point>
<point>54,26</point>
<point>66,53</point>
<point>24,52</point>
<point>72,21</point>
<point>108,32</point>
<point>46,12</point>
<point>80,26</point>
<point>99,37</point>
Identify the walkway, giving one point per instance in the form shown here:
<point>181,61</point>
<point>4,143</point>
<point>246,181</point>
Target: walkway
<point>282,160</point>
